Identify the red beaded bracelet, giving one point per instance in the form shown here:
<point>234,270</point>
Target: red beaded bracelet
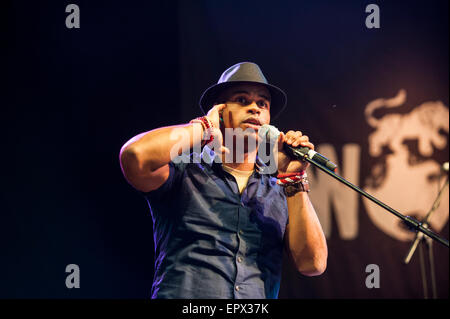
<point>207,129</point>
<point>294,179</point>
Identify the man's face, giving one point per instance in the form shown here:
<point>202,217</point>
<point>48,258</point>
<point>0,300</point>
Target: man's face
<point>248,106</point>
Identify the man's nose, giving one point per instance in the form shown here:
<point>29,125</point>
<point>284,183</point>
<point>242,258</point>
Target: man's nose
<point>253,108</point>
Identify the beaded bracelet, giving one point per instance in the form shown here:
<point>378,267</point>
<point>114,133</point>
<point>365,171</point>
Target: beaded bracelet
<point>207,129</point>
<point>293,182</point>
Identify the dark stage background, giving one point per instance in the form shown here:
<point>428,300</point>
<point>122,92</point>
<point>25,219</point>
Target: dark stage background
<point>73,97</point>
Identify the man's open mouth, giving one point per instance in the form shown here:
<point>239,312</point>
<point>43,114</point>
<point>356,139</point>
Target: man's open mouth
<point>253,121</point>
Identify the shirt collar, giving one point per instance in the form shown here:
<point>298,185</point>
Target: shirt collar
<point>209,157</point>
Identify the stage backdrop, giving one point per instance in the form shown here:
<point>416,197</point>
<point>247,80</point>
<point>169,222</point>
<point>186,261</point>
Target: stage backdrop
<point>374,100</point>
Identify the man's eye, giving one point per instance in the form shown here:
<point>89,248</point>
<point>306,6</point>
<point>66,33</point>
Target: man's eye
<point>262,104</point>
<point>241,100</point>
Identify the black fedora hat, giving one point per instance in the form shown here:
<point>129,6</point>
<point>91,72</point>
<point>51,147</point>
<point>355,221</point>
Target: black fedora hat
<point>244,72</point>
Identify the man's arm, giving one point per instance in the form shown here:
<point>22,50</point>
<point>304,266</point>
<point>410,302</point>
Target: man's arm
<point>144,159</point>
<point>304,237</point>
<point>305,240</point>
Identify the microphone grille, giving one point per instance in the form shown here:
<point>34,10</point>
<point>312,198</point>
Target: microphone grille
<point>268,132</point>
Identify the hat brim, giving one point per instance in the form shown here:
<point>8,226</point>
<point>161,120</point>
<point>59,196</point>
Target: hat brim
<point>277,104</point>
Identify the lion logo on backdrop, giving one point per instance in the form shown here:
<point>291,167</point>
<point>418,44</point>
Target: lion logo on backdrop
<point>406,177</point>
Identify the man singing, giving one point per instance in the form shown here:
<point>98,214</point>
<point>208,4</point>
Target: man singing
<point>221,222</point>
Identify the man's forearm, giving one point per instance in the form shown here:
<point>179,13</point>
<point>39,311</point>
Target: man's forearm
<point>154,149</point>
<point>306,240</point>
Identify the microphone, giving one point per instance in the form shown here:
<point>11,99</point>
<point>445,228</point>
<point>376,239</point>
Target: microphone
<point>299,152</point>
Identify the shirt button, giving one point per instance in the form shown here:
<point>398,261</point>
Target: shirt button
<point>239,259</point>
<point>237,288</point>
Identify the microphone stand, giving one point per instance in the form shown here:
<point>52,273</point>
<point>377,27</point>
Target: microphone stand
<point>419,239</point>
<point>410,222</point>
